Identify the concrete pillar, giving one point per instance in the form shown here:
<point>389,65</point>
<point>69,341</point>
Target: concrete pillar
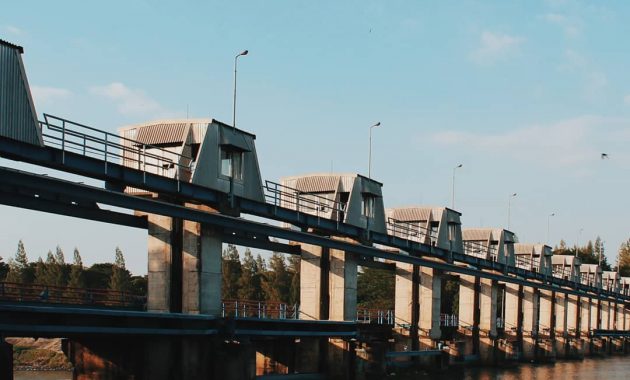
<point>430,303</point>
<point>513,320</point>
<point>343,286</point>
<point>530,322</point>
<point>546,326</point>
<point>6,360</point>
<point>620,322</point>
<point>202,279</point>
<point>560,302</point>
<point>313,282</point>
<point>275,356</point>
<point>488,291</point>
<point>605,315</point>
<point>406,306</point>
<point>328,284</point>
<point>161,242</point>
<point>469,314</point>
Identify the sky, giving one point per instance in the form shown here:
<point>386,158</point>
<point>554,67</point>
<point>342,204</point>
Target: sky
<point>526,95</point>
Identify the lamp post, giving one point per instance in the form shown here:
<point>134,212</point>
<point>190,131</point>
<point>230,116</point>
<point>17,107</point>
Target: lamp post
<point>244,52</point>
<point>453,186</point>
<point>509,204</point>
<point>548,221</point>
<point>370,152</point>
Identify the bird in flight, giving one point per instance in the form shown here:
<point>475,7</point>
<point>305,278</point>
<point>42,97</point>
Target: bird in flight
<point>604,156</point>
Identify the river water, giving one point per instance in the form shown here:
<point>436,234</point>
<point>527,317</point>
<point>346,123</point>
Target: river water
<point>610,368</point>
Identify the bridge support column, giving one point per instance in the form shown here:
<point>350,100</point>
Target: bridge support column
<point>546,326</point>
<point>586,319</point>
<point>314,265</point>
<point>406,308</point>
<point>530,322</point>
<point>575,320</point>
<point>598,345</point>
<point>488,305</point>
<point>202,279</point>
<point>343,286</point>
<point>469,316</point>
<point>162,247</point>
<point>430,303</point>
<point>513,321</point>
<point>275,356</point>
<point>560,330</point>
<point>6,360</point>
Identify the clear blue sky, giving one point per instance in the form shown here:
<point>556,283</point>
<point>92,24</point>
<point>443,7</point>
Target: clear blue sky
<point>525,94</point>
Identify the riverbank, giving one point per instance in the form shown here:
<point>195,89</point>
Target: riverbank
<point>38,355</point>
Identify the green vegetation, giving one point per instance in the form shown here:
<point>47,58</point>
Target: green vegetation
<point>55,272</point>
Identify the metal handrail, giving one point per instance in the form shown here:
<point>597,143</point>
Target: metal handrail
<point>259,309</point>
<point>410,230</point>
<point>310,203</point>
<point>449,320</point>
<point>481,250</point>
<point>89,141</point>
<point>377,316</point>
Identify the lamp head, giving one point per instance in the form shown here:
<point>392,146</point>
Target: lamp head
<point>244,52</point>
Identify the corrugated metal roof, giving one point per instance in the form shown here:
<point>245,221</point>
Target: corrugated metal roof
<point>612,275</point>
<point>410,214</point>
<point>18,118</point>
<point>162,134</point>
<point>317,184</point>
<point>7,43</point>
<point>524,249</point>
<point>590,268</point>
<point>476,234</point>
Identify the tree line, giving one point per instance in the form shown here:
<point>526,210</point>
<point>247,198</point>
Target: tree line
<point>54,271</point>
<point>254,278</point>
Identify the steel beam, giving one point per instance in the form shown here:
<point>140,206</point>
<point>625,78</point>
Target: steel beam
<point>16,178</point>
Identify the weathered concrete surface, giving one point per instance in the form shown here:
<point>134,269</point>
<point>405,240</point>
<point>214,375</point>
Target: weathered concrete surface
<point>530,322</point>
<point>430,303</point>
<point>406,307</point>
<point>313,282</point>
<point>343,286</point>
<point>160,263</point>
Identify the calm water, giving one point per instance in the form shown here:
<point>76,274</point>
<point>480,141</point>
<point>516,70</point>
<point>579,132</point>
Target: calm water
<point>612,368</point>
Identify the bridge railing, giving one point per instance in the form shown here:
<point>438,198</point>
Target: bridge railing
<point>377,316</point>
<point>410,230</point>
<point>78,138</point>
<point>10,291</point>
<point>310,203</point>
<point>259,309</point>
<point>448,320</point>
<point>481,250</point>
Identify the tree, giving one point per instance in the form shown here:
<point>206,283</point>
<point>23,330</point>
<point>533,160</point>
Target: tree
<point>231,265</point>
<point>76,279</point>
<point>18,265</point>
<point>120,275</point>
<point>41,272</point>
<point>53,271</point>
<point>276,282</point>
<point>294,271</point>
<point>249,285</point>
<point>60,262</point>
<point>375,289</point>
<point>624,259</point>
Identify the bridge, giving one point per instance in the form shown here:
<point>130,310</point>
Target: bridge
<point>194,184</point>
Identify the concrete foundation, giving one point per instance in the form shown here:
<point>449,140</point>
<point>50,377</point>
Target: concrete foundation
<point>513,322</point>
<point>561,333</point>
<point>530,323</point>
<point>343,286</point>
<point>488,344</point>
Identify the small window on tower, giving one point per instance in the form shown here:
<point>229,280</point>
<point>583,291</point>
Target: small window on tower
<point>232,163</point>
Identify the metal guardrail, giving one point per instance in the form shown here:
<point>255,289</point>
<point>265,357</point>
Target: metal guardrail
<point>78,138</point>
<point>448,320</point>
<point>10,291</point>
<point>310,203</point>
<point>380,317</point>
<point>259,309</point>
<point>478,249</point>
<point>410,230</point>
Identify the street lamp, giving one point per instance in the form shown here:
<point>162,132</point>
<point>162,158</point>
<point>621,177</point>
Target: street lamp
<point>244,52</point>
<point>370,153</point>
<point>509,203</point>
<point>453,187</point>
<point>548,218</point>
